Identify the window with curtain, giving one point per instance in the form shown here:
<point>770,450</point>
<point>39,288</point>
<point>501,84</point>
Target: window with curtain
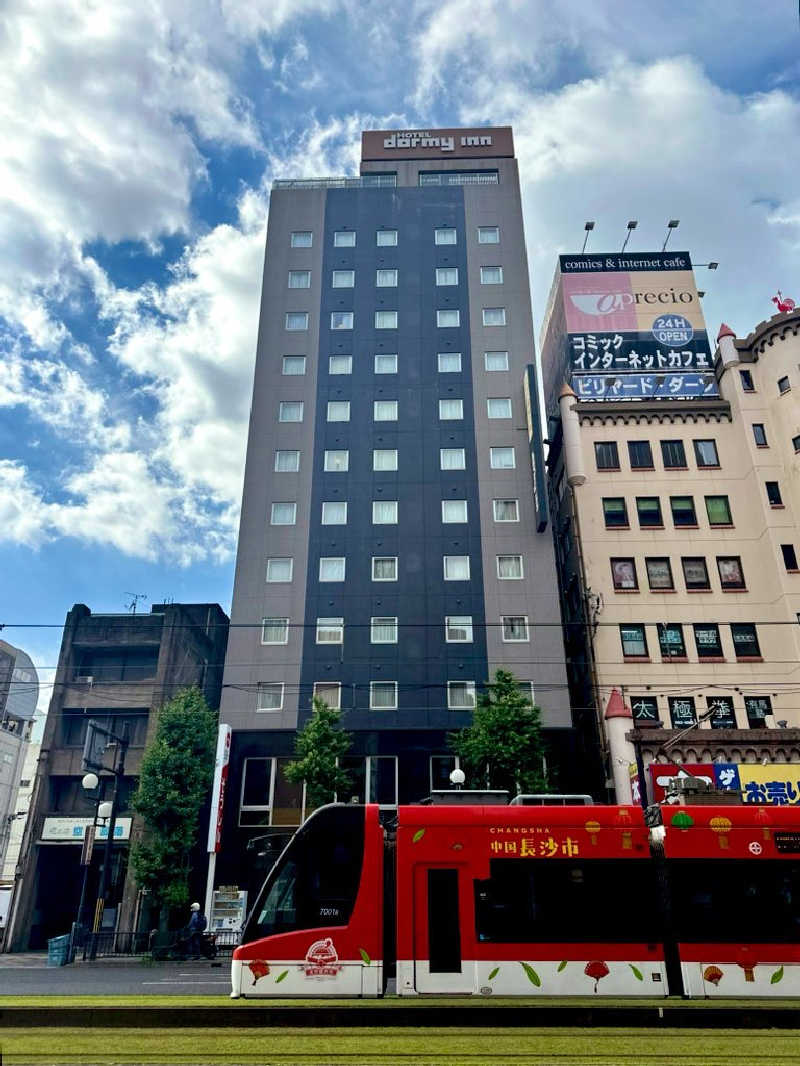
<point>499,407</point>
<point>386,363</point>
<point>296,321</point>
<point>383,695</point>
<point>384,411</point>
<point>386,238</point>
<point>279,570</point>
<point>299,279</point>
<point>494,316</point>
<point>461,695</point>
<point>341,320</point>
<point>452,458</point>
<point>301,239</point>
<point>488,234</point>
<point>456,568</point>
<point>334,513</point>
<point>294,365</point>
<point>344,279</point>
<point>509,567</point>
<point>451,409</point>
<point>337,461</point>
<point>447,275</point>
<point>340,364</point>
<point>384,459</point>
<point>447,318</point>
<point>330,692</point>
<point>458,629</point>
<point>454,510</point>
<point>283,514</point>
<point>384,512</point>
<point>386,320</point>
<point>492,275</point>
<point>275,631</point>
<point>338,411</point>
<point>330,630</point>
<point>384,568</point>
<point>270,696</point>
<point>332,568</point>
<point>495,360</point>
<point>290,411</point>
<point>449,362</point>
<point>445,235</point>
<point>287,462</point>
<point>344,239</point>
<point>501,458</point>
<point>506,510</point>
<point>383,630</point>
<point>515,628</point>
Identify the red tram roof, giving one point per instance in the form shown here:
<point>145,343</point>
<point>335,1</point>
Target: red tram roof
<point>616,817</point>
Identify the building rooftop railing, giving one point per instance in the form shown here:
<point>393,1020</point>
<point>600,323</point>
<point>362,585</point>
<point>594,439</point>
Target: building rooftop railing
<point>382,180</point>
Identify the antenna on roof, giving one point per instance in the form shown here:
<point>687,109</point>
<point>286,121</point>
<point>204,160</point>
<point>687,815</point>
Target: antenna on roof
<point>135,597</point>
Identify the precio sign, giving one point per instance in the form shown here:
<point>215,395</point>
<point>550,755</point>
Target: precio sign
<point>390,144</point>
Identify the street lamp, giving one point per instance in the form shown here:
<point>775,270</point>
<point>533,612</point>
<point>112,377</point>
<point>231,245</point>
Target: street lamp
<point>108,810</point>
<point>90,783</point>
<point>457,777</point>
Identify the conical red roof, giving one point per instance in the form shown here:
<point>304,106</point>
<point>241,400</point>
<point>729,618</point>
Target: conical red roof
<point>615,708</point>
<point>725,331</point>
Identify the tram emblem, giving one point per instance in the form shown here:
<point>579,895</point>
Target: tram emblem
<point>322,959</point>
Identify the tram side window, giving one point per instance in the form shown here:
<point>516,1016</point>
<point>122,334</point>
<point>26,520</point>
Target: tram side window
<point>734,901</point>
<point>544,901</point>
<point>316,882</point>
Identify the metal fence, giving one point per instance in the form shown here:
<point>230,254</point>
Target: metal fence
<point>117,942</point>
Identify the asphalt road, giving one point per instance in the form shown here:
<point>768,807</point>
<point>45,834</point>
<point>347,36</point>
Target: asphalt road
<point>25,975</point>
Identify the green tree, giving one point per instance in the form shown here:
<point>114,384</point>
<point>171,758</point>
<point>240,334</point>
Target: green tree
<point>503,747</point>
<point>176,775</point>
<point>317,747</point>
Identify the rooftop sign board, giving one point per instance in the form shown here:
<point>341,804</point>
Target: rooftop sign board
<point>487,141</point>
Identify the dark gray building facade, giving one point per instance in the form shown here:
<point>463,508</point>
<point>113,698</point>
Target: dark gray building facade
<point>391,552</point>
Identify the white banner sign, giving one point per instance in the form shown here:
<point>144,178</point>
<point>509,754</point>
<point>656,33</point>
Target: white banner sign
<point>220,783</point>
<point>72,830</point>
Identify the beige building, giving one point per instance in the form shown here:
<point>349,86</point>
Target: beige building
<point>677,543</point>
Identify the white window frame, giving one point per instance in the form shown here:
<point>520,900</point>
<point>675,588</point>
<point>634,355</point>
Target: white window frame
<point>455,521</point>
<point>283,580</point>
<point>296,329</point>
<point>505,618</point>
<point>448,355</point>
<point>333,404</point>
<point>285,405</point>
<point>386,283</point>
<point>392,323</point>
<point>336,469</point>
<point>386,452</point>
<point>487,311</point>
<point>499,399</point>
<point>386,233</point>
<point>451,418</point>
<point>441,235</point>
<point>334,625</point>
<point>485,230</point>
<point>283,503</point>
<point>294,239</point>
<point>343,279</point>
<point>372,705</point>
<point>292,374</point>
<point>451,620</point>
<point>443,311</point>
<point>332,559</point>
<point>502,448</point>
<point>287,470</point>
<point>494,369</point>
<point>470,693</point>
<point>375,406</point>
<point>384,355</point>
<point>382,620</point>
<point>510,555</point>
<point>443,272</point>
<point>302,274</point>
<point>339,240</point>
<point>262,687</point>
<point>379,503</point>
<point>505,499</point>
<point>348,325</point>
<point>487,268</point>
<point>383,558</point>
<point>463,457</point>
<point>446,559</point>
<point>333,503</point>
<point>322,685</point>
<point>348,362</point>
<point>284,624</point>
<point>257,808</point>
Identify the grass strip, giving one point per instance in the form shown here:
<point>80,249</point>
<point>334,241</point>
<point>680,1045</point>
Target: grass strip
<point>379,1005</point>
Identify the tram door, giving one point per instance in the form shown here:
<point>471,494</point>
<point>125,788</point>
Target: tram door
<point>439,966</point>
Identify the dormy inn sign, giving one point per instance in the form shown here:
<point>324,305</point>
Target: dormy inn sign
<point>388,144</point>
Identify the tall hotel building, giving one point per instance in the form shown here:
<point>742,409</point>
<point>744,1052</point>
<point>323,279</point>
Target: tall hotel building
<point>393,551</point>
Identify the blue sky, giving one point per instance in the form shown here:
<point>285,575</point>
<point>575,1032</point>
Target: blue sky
<point>139,144</point>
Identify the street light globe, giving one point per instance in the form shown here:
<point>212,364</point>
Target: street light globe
<point>90,781</point>
<point>104,809</point>
<point>457,777</point>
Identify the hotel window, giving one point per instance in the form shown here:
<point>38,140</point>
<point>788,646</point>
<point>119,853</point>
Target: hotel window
<point>505,510</point>
<point>338,411</point>
<point>515,629</point>
<point>386,320</point>
<point>718,510</point>
<point>383,630</point>
<point>494,316</point>
<point>344,239</point>
<point>670,640</point>
<point>454,511</point>
<point>640,455</point>
<point>659,573</point>
<point>450,410</point>
<point>492,275</point>
<point>343,279</point>
<point>682,711</point>
<point>747,381</point>
<point>279,571</point>
<point>745,640</point>
<point>384,458</point>
<point>707,641</point>
<point>336,461</point>
<point>287,462</point>
<point>341,320</point>
<point>648,509</point>
<point>294,365</point>
<point>499,407</point>
<point>386,278</point>
<point>623,574</point>
<point>340,364</point>
<point>606,455</point>
<point>615,513</point>
<point>296,321</point>
<point>447,275</point>
<point>444,235</point>
<point>449,362</point>
<point>330,630</point>
<point>283,514</point>
<point>301,239</point>
<point>774,493</point>
<point>488,234</point>
<point>760,435</point>
<point>384,411</point>
<point>509,568</point>
<point>332,568</point>
<point>384,568</point>
<point>329,692</point>
<point>384,512</point>
<point>495,360</point>
<point>386,238</point>
<point>385,364</point>
<point>299,279</point>
<point>683,513</point>
<point>789,557</point>
<point>290,411</point>
<point>695,572</point>
<point>274,630</point>
<point>334,513</point>
<point>447,318</point>
<point>705,453</point>
<point>458,629</point>
<point>456,568</point>
<point>383,695</point>
<point>501,458</point>
<point>461,695</point>
<point>784,385</point>
<point>673,454</point>
<point>270,697</point>
<point>731,575</point>
<point>452,459</point>
<point>757,709</point>
<point>634,641</point>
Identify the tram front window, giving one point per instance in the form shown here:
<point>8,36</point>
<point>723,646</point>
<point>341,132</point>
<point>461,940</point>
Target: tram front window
<point>316,880</point>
